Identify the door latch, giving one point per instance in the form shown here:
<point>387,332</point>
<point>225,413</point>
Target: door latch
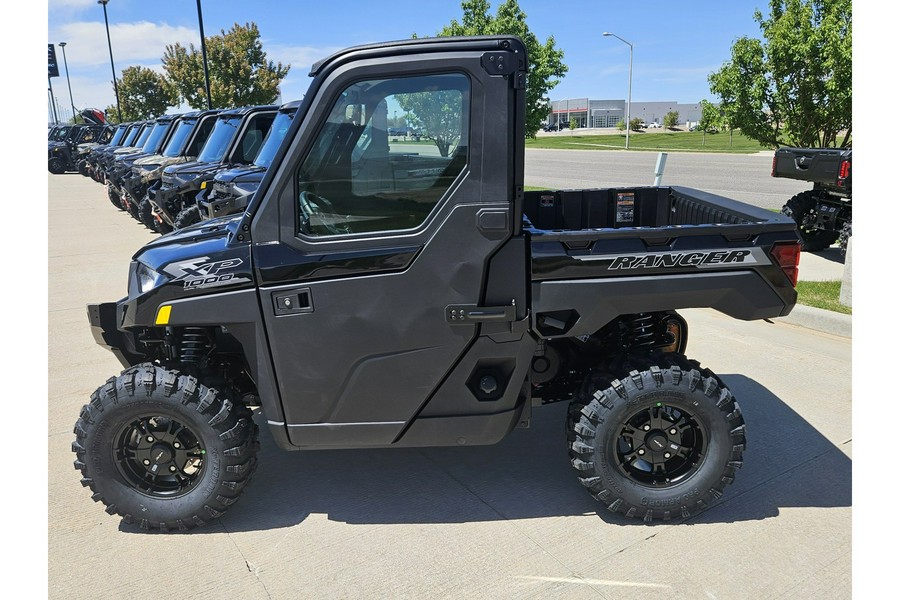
<point>289,303</point>
<point>464,314</point>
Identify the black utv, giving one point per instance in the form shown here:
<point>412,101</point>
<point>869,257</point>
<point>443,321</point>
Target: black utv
<point>91,159</point>
<point>235,139</point>
<point>189,134</point>
<point>823,214</point>
<point>160,132</point>
<point>99,158</point>
<point>231,189</point>
<point>62,148</point>
<point>371,296</point>
<point>85,148</point>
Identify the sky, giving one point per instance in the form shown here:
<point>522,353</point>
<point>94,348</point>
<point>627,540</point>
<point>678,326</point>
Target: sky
<point>674,49</point>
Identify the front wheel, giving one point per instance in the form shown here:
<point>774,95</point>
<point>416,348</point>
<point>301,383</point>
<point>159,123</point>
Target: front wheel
<point>187,217</point>
<point>161,449</point>
<point>56,166</point>
<point>658,443</point>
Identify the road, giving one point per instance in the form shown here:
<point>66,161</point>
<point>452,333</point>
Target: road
<point>496,522</point>
<point>744,177</point>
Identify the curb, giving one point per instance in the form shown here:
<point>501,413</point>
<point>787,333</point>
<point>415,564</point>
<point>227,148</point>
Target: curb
<point>826,321</point>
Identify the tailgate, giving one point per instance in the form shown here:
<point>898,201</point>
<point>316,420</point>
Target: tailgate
<point>808,164</point>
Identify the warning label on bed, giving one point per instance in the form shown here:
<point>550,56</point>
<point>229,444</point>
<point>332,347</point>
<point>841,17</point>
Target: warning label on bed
<point>625,207</point>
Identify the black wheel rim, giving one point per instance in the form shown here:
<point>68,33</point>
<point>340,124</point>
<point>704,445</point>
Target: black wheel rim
<point>159,456</point>
<point>661,446</point>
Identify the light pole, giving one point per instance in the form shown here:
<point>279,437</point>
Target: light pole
<point>68,81</point>
<point>203,49</point>
<point>52,103</point>
<point>111,63</point>
<point>628,105</point>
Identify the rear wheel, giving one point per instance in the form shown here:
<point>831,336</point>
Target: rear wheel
<point>161,449</point>
<point>802,208</point>
<point>657,443</point>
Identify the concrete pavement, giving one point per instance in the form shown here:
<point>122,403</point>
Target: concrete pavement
<point>503,521</point>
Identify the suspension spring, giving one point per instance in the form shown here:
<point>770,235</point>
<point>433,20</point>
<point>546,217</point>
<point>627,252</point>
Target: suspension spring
<point>641,330</point>
<point>195,345</point>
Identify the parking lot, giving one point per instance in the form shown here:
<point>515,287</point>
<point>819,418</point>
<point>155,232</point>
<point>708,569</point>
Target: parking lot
<point>503,521</point>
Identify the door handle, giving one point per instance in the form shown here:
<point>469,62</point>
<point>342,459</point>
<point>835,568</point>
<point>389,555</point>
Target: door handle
<point>462,314</point>
<point>290,303</point>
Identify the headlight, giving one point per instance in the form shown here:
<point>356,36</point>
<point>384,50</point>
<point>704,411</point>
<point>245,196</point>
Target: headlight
<point>148,279</point>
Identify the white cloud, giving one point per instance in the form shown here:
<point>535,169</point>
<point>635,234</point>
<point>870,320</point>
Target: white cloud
<point>53,5</point>
<point>301,58</point>
<point>132,43</point>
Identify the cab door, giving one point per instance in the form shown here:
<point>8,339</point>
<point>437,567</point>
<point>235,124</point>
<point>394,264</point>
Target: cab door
<point>373,291</point>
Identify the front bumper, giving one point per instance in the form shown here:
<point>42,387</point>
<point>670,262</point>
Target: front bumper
<point>104,319</point>
<point>212,206</point>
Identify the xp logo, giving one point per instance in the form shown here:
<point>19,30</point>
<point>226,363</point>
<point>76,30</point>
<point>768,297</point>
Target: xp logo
<point>203,273</point>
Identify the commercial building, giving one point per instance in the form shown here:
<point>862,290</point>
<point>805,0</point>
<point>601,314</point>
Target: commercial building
<point>607,113</point>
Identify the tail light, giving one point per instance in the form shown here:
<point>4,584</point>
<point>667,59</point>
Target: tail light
<point>774,161</point>
<point>787,256</point>
<point>844,173</point>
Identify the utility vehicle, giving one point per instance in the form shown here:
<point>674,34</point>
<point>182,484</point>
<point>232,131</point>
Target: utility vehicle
<point>375,296</point>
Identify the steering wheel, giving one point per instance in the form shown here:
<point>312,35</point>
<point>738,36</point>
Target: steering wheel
<point>312,204</point>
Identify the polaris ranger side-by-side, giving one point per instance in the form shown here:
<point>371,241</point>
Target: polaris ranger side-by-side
<point>372,296</point>
<point>186,142</point>
<point>235,139</point>
<point>823,214</point>
<point>232,189</point>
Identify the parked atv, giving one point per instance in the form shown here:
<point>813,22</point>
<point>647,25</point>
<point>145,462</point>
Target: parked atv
<point>370,298</point>
<point>823,214</point>
<point>122,164</point>
<point>189,134</point>
<point>91,160</point>
<point>235,140</point>
<point>62,148</point>
<point>231,189</point>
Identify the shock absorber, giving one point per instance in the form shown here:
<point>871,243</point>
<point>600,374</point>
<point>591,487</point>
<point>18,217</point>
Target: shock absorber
<point>196,344</point>
<point>666,331</point>
<point>641,331</point>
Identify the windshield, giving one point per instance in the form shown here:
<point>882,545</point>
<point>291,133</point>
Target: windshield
<point>273,140</point>
<point>120,131</point>
<point>61,134</point>
<point>219,140</point>
<point>179,137</point>
<point>139,143</point>
<point>153,143</point>
<point>131,135</point>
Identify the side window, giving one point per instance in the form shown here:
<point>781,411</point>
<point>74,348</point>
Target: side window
<point>387,154</point>
<point>253,138</point>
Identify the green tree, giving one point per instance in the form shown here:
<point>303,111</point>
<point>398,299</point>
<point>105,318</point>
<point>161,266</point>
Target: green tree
<point>795,86</point>
<point>711,118</point>
<point>144,93</point>
<point>437,113</point>
<point>621,125</point>
<point>545,65</point>
<point>239,73</point>
<point>636,123</point>
<point>573,124</point>
<point>670,120</point>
